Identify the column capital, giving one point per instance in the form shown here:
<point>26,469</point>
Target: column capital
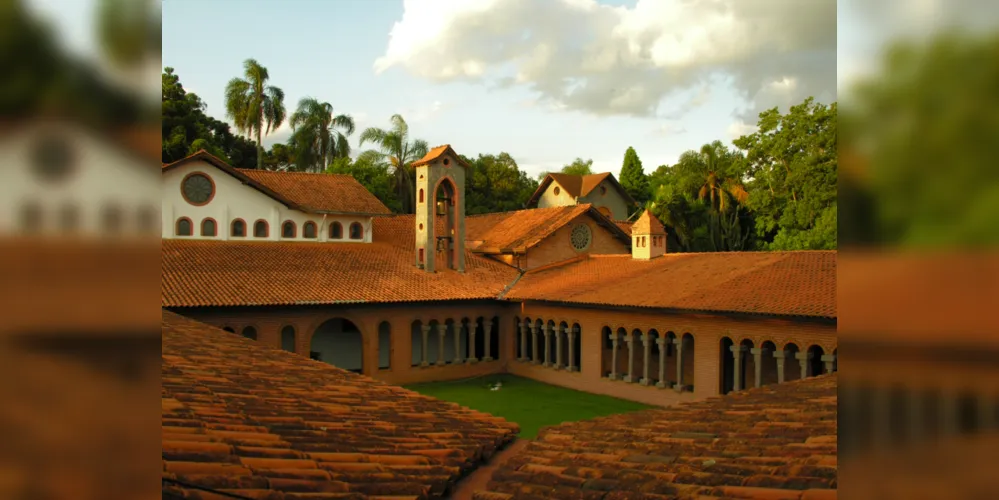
<point>425,328</point>
<point>736,348</point>
<point>574,329</point>
<point>486,323</point>
<point>756,351</point>
<point>803,356</point>
<point>780,354</point>
<point>645,338</point>
<point>677,340</point>
<point>661,341</point>
<point>441,327</point>
<point>828,357</point>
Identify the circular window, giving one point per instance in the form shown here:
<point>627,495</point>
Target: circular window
<point>197,188</point>
<point>52,157</point>
<point>581,237</point>
<point>447,162</point>
<point>557,190</point>
<point>603,190</point>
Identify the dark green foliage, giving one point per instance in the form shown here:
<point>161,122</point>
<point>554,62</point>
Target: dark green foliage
<point>633,178</point>
<point>495,184</point>
<point>372,175</point>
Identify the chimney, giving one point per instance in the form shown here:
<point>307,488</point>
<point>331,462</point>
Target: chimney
<point>648,237</point>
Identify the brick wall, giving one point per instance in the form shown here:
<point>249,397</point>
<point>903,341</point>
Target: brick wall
<point>557,247</point>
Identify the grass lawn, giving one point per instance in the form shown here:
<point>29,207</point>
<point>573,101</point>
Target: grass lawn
<point>529,403</point>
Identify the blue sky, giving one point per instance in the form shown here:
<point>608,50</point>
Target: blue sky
<point>544,80</point>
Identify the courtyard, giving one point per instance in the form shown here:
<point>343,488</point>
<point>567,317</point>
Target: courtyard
<point>529,403</point>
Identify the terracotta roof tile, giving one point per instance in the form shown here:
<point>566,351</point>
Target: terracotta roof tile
<point>230,273</point>
<point>647,224</point>
<point>624,225</point>
<point>772,442</point>
<point>265,423</point>
<point>437,152</point>
<point>780,283</point>
<point>316,192</point>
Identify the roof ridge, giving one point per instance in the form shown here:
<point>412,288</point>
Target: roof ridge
<point>579,258</point>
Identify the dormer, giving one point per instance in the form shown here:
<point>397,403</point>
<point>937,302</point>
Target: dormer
<point>600,190</point>
<point>648,237</point>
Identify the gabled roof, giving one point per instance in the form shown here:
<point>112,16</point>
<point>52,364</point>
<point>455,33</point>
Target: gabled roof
<point>648,224</point>
<point>312,193</point>
<point>775,442</point>
<point>517,231</point>
<point>801,284</point>
<point>437,152</point>
<point>241,418</point>
<point>321,193</point>
<point>578,185</point>
<point>261,273</point>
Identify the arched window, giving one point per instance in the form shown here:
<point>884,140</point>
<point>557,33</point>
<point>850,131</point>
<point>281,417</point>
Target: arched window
<point>356,231</point>
<point>261,229</point>
<point>288,229</point>
<point>250,333</point>
<point>421,195</point>
<point>31,217</point>
<point>288,338</point>
<point>309,230</point>
<point>208,227</point>
<point>148,220</point>
<point>238,229</point>
<point>336,231</point>
<point>112,218</point>
<point>184,227</point>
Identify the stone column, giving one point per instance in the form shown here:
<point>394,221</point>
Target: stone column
<point>757,365</point>
<point>614,340</point>
<point>523,341</point>
<point>459,331</point>
<point>736,367</point>
<point>559,331</point>
<point>779,356</point>
<point>573,331</point>
<point>548,346</point>
<point>487,332</point>
<point>471,343</point>
<point>803,358</point>
<point>662,362</point>
<point>535,357</point>
<point>646,347</point>
<point>678,342</point>
<point>425,329</point>
<point>441,332</point>
<point>828,360</point>
<point>629,338</point>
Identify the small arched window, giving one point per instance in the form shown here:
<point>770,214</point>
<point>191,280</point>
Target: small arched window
<point>148,220</point>
<point>421,195</point>
<point>309,230</point>
<point>356,231</point>
<point>31,217</point>
<point>69,218</point>
<point>288,229</point>
<point>250,333</point>
<point>184,227</point>
<point>112,216</point>
<point>238,229</point>
<point>336,231</point>
<point>261,229</point>
<point>208,227</point>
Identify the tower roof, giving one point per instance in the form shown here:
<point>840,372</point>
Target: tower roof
<point>648,224</point>
<point>437,152</point>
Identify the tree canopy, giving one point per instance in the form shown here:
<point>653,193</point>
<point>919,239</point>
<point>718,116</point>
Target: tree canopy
<point>633,178</point>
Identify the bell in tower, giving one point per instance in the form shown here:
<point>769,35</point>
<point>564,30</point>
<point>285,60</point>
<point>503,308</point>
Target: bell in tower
<point>440,210</point>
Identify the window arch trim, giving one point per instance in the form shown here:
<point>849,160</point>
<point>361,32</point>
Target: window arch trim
<point>232,227</point>
<point>266,226</point>
<point>176,226</point>
<point>294,229</point>
<point>360,231</point>
<point>215,227</point>
<point>305,230</point>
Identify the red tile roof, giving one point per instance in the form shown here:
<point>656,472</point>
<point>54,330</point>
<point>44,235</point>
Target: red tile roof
<point>324,193</point>
<point>237,273</point>
<point>437,152</point>
<point>775,442</point>
<point>265,423</point>
<point>578,185</point>
<point>648,224</point>
<point>624,225</point>
<point>777,283</point>
<point>514,232</point>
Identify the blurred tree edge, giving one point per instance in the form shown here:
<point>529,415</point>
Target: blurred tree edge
<point>919,147</point>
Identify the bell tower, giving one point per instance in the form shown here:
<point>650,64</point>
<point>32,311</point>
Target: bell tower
<point>440,210</point>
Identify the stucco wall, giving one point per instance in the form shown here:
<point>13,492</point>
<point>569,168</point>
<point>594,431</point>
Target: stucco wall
<point>612,199</point>
<point>557,247</point>
<point>549,199</point>
<point>234,200</point>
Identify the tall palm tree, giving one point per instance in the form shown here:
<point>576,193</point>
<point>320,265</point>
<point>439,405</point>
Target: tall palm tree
<point>253,106</point>
<point>395,147</point>
<point>316,140</point>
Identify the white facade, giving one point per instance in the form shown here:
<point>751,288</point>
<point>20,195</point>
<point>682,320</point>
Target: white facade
<point>234,200</point>
<point>101,190</point>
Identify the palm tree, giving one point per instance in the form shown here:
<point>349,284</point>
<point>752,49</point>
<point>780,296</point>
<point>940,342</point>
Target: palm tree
<point>396,148</point>
<point>316,140</point>
<point>254,106</point>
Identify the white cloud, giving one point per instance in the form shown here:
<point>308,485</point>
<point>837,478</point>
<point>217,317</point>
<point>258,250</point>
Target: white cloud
<point>669,129</point>
<point>606,60</point>
<point>739,128</point>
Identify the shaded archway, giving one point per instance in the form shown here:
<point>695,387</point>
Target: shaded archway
<point>686,358</point>
<point>727,364</point>
<point>562,354</point>
<point>792,368</point>
<point>622,353</point>
<point>229,329</point>
<point>445,206</point>
<point>250,332</point>
<point>768,363</point>
<point>606,352</point>
<point>384,345</point>
<point>747,365</point>
<point>338,342</point>
<point>550,343</point>
<point>526,339</point>
<point>577,348</point>
<point>288,338</point>
<point>494,339</point>
<point>539,341</point>
<point>656,358</point>
<point>416,343</point>
<point>815,364</point>
<point>478,349</point>
<point>518,341</point>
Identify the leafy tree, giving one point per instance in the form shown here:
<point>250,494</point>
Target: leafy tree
<point>496,184</point>
<point>791,164</point>
<point>374,176</point>
<point>280,157</point>
<point>578,166</point>
<point>253,106</point>
<point>633,178</point>
<point>316,141</point>
<point>129,31</point>
<point>398,151</point>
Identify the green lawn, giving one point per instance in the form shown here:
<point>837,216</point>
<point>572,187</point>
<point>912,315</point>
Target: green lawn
<point>530,404</point>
